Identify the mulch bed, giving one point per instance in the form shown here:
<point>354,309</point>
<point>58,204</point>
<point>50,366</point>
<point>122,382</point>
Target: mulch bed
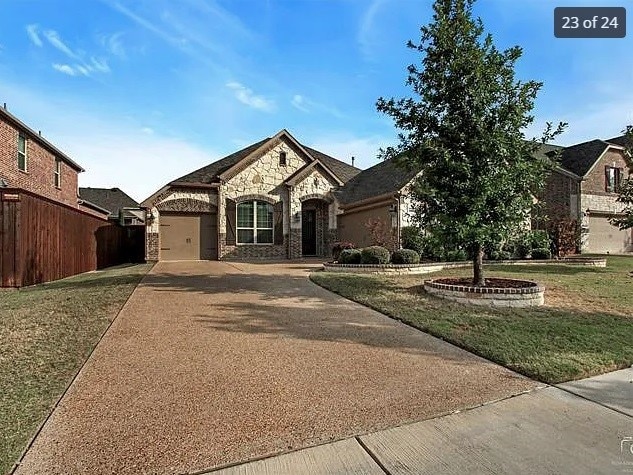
<point>492,282</point>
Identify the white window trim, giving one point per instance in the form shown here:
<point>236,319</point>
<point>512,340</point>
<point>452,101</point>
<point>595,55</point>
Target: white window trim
<point>254,228</point>
<point>26,155</point>
<point>58,173</point>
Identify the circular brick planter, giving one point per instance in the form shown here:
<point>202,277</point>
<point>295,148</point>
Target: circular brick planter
<point>525,294</point>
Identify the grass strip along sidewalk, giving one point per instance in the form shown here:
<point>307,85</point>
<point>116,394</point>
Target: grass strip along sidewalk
<point>46,334</point>
<point>585,327</point>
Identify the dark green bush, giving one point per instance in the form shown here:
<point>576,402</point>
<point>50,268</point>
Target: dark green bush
<point>374,255</point>
<point>340,246</point>
<point>412,238</point>
<point>500,255</point>
<point>541,253</point>
<point>405,256</point>
<point>455,255</point>
<point>349,256</point>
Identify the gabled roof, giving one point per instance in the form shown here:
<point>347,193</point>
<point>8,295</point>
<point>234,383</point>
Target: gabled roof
<point>111,199</point>
<point>383,178</point>
<point>622,141</point>
<point>37,137</point>
<point>344,171</point>
<point>211,173</point>
<point>580,158</point>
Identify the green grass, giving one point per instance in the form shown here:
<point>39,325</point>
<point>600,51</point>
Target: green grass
<point>46,334</point>
<point>585,327</point>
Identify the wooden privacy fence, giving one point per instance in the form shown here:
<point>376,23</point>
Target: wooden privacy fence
<point>42,240</point>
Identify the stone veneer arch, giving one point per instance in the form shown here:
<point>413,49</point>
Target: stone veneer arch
<point>316,196</point>
<point>190,205</point>
<point>272,199</point>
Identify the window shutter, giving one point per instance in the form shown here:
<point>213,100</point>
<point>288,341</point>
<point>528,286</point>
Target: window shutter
<point>278,220</point>
<point>606,178</point>
<point>230,222</point>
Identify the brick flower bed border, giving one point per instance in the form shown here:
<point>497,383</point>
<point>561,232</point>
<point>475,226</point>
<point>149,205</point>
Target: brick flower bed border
<point>531,296</point>
<point>428,267</point>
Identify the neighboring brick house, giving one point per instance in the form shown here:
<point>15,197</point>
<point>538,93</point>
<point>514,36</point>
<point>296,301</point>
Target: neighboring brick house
<point>30,162</point>
<point>118,205</point>
<point>584,187</point>
<point>272,199</point>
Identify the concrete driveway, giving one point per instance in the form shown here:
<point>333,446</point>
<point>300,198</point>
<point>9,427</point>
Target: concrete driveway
<point>211,363</point>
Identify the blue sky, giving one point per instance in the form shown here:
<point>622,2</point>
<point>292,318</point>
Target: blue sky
<point>141,92</point>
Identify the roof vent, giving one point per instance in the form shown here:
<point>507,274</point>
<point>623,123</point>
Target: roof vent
<point>352,160</point>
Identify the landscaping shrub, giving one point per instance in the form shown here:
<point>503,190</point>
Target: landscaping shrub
<point>455,255</point>
<point>374,255</point>
<point>349,256</point>
<point>541,253</point>
<point>340,246</point>
<point>412,238</point>
<point>405,256</point>
<point>500,255</point>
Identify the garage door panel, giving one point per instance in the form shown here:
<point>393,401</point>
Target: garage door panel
<point>188,236</point>
<point>606,238</point>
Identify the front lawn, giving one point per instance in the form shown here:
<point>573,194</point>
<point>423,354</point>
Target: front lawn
<point>46,334</point>
<point>585,327</point>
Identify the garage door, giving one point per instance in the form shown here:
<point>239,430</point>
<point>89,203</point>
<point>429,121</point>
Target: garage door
<point>605,238</point>
<point>188,236</point>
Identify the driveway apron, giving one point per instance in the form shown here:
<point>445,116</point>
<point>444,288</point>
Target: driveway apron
<point>211,363</point>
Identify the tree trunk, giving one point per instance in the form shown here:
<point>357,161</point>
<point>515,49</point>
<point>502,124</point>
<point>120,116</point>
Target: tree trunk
<point>478,266</point>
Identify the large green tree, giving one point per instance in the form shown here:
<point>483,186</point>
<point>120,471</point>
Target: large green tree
<point>464,129</point>
<point>625,194</point>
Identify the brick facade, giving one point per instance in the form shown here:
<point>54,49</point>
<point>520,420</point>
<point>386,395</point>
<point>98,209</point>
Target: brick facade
<point>39,177</point>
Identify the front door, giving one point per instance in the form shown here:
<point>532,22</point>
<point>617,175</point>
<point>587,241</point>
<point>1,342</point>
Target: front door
<point>308,232</point>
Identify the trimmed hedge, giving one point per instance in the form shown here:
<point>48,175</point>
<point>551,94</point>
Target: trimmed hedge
<point>340,246</point>
<point>349,256</point>
<point>374,255</point>
<point>405,256</point>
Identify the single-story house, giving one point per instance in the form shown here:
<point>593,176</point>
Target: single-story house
<point>276,198</point>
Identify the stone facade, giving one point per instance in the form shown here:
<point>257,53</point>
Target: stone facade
<point>264,179</point>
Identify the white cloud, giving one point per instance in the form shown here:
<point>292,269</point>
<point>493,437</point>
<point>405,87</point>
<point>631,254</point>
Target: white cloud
<point>299,103</point>
<point>32,31</point>
<point>147,130</point>
<point>55,40</point>
<point>248,97</point>
<point>65,68</point>
<point>366,36</point>
<point>100,65</point>
<point>304,104</point>
<point>114,45</point>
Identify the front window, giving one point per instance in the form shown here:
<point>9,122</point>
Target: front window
<point>612,179</point>
<point>21,152</point>
<point>58,173</point>
<point>254,223</point>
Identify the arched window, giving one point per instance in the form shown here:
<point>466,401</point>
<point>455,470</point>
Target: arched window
<point>254,222</point>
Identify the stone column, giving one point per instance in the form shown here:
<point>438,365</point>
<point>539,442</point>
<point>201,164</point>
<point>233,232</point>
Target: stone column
<point>294,204</point>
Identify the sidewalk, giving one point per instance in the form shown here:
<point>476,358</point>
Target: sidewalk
<point>579,427</point>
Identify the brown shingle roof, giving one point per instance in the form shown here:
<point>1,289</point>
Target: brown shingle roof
<point>111,199</point>
<point>385,177</point>
<point>580,158</point>
<point>209,174</point>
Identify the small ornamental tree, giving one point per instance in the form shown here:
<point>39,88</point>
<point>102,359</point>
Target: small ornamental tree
<point>625,193</point>
<point>463,129</point>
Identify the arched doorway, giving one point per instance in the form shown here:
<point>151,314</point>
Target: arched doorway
<point>314,227</point>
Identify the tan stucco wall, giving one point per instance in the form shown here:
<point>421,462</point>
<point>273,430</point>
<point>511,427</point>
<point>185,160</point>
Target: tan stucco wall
<point>352,225</point>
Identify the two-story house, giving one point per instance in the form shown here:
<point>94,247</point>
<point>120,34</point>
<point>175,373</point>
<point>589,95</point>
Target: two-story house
<point>30,162</point>
<point>584,187</point>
